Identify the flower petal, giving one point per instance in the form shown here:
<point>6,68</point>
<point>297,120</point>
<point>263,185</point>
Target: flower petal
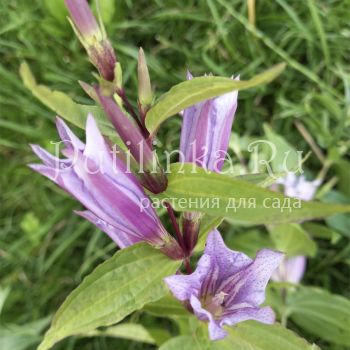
<point>215,329</point>
<point>254,278</point>
<point>184,286</point>
<point>230,262</point>
<point>123,239</point>
<point>264,315</point>
<point>206,130</point>
<point>67,136</point>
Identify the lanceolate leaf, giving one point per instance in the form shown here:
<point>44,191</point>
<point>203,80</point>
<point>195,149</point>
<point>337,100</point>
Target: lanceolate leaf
<point>321,313</point>
<point>258,336</point>
<point>126,282</point>
<point>132,331</point>
<point>192,91</point>
<point>193,188</point>
<point>63,105</point>
<point>245,336</point>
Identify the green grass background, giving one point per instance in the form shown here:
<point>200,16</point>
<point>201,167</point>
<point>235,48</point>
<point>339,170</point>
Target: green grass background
<point>45,250</point>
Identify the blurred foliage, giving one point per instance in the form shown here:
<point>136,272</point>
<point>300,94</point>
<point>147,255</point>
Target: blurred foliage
<point>44,249</point>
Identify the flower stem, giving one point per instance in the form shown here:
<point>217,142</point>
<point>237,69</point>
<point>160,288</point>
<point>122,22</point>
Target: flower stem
<point>187,265</point>
<point>175,225</point>
<point>130,108</point>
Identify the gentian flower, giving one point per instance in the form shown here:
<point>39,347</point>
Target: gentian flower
<point>102,183</point>
<point>298,187</point>
<point>93,37</point>
<point>292,269</point>
<point>206,131</point>
<point>205,136</point>
<point>227,287</point>
<point>151,173</point>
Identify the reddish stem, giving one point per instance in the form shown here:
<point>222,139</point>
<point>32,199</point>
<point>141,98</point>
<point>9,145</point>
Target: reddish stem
<point>188,266</point>
<point>179,236</point>
<point>131,110</point>
<point>175,225</point>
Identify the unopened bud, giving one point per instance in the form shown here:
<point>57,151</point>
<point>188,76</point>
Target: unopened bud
<point>145,89</point>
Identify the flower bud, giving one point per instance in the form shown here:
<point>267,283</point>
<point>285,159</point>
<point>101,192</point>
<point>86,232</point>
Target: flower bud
<point>150,172</point>
<point>144,87</point>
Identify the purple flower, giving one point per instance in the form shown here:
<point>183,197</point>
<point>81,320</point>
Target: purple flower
<point>227,287</point>
<point>291,270</point>
<point>93,37</point>
<point>101,182</point>
<point>299,187</point>
<point>151,173</point>
<point>206,130</point>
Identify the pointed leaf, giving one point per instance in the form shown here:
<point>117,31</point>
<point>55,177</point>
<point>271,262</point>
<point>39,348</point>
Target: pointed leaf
<point>132,331</point>
<point>193,188</point>
<point>192,91</point>
<point>321,313</point>
<point>63,105</point>
<point>253,335</point>
<point>245,336</point>
<point>124,283</point>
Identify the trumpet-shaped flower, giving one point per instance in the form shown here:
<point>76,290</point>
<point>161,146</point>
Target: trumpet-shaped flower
<point>206,130</point>
<point>101,182</point>
<point>227,287</point>
<point>151,173</point>
<point>205,136</point>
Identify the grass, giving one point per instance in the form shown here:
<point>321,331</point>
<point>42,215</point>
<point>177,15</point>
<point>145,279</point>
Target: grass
<point>44,249</point>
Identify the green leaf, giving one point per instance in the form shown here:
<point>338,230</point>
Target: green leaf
<point>167,306</point>
<point>293,240</point>
<point>249,242</point>
<point>186,342</point>
<point>261,180</point>
<point>339,222</point>
<point>131,331</point>
<point>63,105</point>
<point>321,313</point>
<point>124,283</point>
<point>245,336</point>
<point>189,188</point>
<point>285,157</point>
<point>208,224</point>
<point>192,91</point>
<point>258,336</point>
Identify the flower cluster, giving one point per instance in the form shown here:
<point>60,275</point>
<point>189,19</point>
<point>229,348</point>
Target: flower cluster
<point>227,287</point>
